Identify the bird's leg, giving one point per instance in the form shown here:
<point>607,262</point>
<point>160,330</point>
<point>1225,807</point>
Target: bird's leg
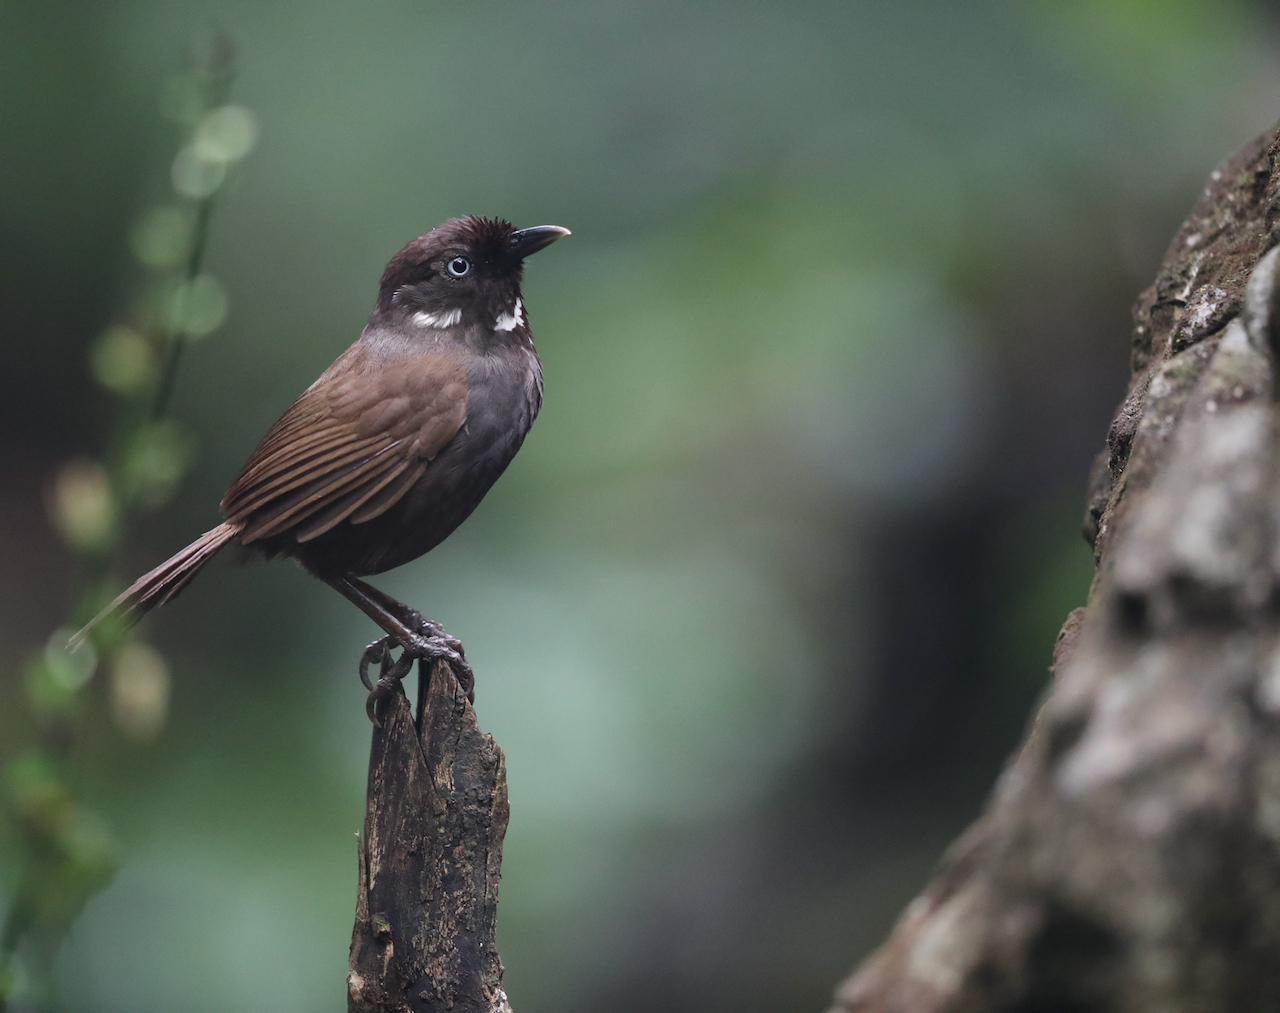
<point>415,620</point>
<point>411,617</point>
<point>405,628</point>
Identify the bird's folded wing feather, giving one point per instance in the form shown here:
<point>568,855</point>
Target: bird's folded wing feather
<point>351,446</point>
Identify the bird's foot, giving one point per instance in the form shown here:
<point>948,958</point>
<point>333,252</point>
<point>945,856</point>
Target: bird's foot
<point>435,644</point>
<point>432,643</point>
<point>391,671</point>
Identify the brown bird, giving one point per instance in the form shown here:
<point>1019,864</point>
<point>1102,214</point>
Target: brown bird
<point>396,443</point>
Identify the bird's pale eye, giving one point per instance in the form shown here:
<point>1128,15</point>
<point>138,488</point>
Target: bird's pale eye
<point>458,266</point>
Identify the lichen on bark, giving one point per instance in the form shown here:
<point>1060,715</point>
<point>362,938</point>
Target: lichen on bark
<point>1129,857</point>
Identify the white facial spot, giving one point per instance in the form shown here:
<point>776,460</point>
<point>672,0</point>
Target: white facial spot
<point>445,319</point>
<point>510,321</point>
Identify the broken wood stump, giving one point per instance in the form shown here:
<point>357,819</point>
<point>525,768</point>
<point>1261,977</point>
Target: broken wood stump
<point>430,859</point>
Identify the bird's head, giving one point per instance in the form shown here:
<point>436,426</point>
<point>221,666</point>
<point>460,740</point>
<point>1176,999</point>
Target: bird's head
<point>465,271</point>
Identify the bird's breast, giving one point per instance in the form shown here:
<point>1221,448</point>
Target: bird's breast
<point>504,393</point>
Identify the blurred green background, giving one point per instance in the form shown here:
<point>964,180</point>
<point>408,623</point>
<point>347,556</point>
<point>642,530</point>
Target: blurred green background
<point>770,590</point>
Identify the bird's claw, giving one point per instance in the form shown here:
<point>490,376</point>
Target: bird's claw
<point>377,651</point>
<point>391,671</point>
<point>439,646</point>
<point>436,645</point>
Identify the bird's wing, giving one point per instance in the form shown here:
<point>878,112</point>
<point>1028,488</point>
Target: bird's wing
<point>351,446</point>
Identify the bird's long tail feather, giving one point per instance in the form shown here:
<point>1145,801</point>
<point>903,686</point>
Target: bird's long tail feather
<point>155,587</point>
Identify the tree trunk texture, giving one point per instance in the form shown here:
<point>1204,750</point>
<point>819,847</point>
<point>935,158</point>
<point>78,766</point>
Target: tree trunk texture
<point>430,860</point>
<point>1129,857</point>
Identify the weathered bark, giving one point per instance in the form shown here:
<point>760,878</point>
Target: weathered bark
<point>1129,858</point>
<point>430,860</point>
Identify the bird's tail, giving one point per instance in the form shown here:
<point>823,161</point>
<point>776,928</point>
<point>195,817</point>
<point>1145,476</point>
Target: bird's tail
<point>157,586</point>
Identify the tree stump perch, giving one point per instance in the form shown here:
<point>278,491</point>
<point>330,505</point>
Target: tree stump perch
<point>1129,858</point>
<point>430,859</point>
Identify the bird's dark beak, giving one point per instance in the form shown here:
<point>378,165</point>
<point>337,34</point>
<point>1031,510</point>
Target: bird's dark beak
<point>528,241</point>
